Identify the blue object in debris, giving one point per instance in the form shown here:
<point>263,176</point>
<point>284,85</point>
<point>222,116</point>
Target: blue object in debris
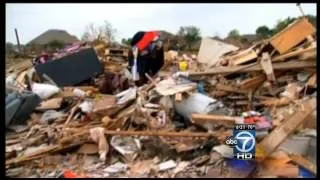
<point>242,167</point>
<point>241,164</point>
<point>201,88</point>
<point>305,173</point>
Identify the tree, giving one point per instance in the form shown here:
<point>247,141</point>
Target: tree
<point>108,32</point>
<point>281,24</point>
<point>99,33</point>
<point>263,32</point>
<point>189,35</point>
<point>217,36</point>
<point>91,33</point>
<point>126,41</point>
<point>312,19</point>
<point>234,33</point>
<point>53,45</point>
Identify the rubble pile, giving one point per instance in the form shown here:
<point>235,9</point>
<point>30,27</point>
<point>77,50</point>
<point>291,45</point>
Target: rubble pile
<point>178,123</point>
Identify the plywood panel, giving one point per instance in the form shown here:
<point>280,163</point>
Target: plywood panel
<point>292,35</point>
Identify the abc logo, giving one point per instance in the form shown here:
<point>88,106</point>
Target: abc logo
<point>231,141</point>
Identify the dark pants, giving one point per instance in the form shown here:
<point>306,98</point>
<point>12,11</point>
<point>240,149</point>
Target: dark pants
<point>150,63</point>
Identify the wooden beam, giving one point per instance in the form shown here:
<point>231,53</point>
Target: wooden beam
<point>267,66</point>
<point>229,88</point>
<point>293,54</point>
<point>242,69</point>
<point>215,118</point>
<point>243,57</point>
<point>254,82</point>
<point>276,101</point>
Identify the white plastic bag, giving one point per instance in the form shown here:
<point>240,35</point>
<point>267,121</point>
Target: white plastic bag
<point>44,91</point>
<point>86,106</point>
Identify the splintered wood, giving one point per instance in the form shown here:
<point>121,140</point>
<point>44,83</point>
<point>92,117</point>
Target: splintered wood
<point>176,124</point>
<point>54,103</point>
<point>279,134</point>
<point>267,66</point>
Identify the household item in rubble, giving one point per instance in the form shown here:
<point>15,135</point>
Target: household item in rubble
<point>199,103</point>
<point>12,105</point>
<point>183,65</point>
<point>19,106</point>
<point>44,91</point>
<point>72,69</point>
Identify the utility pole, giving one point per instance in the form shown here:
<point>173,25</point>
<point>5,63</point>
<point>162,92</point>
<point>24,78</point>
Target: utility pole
<point>300,8</point>
<point>18,42</point>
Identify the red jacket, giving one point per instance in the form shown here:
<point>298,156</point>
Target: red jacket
<point>147,39</point>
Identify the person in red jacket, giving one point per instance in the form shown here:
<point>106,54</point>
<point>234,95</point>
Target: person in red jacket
<point>150,57</point>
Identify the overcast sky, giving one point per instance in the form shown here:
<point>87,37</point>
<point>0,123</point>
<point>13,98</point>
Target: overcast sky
<point>213,19</point>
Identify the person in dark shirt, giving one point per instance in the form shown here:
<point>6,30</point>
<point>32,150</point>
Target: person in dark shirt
<point>150,57</point>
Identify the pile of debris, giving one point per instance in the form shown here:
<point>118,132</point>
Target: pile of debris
<point>178,123</point>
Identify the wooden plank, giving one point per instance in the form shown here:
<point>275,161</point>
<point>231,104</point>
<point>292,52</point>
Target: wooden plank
<point>83,88</point>
<point>199,118</point>
<point>218,93</point>
<point>243,57</point>
<point>309,56</point>
<point>229,88</point>
<point>241,69</point>
<point>292,35</point>
<point>178,97</point>
<point>312,82</point>
<point>41,153</point>
<point>12,141</point>
<point>301,161</point>
<point>54,103</point>
<point>267,66</point>
<point>294,53</point>
<point>311,123</point>
<point>279,134</point>
<point>254,82</point>
<point>66,94</point>
<point>170,87</point>
<point>276,102</point>
<point>21,77</point>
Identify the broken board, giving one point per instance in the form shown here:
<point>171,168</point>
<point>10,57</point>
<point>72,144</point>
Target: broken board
<point>170,87</point>
<point>54,103</point>
<point>292,35</point>
<point>278,135</point>
<point>243,57</point>
<point>266,65</point>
